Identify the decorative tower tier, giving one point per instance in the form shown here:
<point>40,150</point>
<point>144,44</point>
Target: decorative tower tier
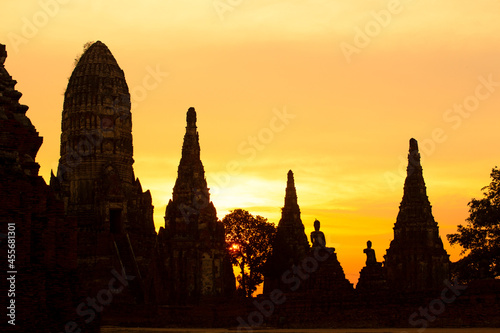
<point>416,259</point>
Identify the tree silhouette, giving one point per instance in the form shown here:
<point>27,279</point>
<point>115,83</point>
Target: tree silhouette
<point>249,241</point>
<point>86,46</point>
<point>480,238</point>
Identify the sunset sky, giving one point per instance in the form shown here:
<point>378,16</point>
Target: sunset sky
<point>332,90</point>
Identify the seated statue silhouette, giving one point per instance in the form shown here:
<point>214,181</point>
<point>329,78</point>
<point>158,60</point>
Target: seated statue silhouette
<point>317,237</point>
<point>370,254</point>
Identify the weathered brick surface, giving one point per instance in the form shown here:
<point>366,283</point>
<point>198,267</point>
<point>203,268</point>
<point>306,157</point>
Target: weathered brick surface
<point>45,257</point>
<point>96,179</point>
<point>95,218</point>
<point>192,243</point>
<point>416,259</point>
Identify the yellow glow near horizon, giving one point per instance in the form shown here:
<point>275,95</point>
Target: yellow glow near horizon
<point>350,116</point>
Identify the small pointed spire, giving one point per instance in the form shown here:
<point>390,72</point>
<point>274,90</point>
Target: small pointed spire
<point>53,178</point>
<point>3,54</point>
<point>190,174</point>
<point>139,186</point>
<point>290,245</point>
<point>55,182</point>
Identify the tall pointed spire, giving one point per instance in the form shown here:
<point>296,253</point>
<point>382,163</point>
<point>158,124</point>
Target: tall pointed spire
<point>194,239</point>
<point>415,206</point>
<point>191,173</point>
<point>416,259</point>
<point>290,245</point>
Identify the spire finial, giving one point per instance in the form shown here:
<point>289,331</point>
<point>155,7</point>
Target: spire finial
<point>290,192</point>
<point>191,117</point>
<point>413,145</point>
<point>413,158</point>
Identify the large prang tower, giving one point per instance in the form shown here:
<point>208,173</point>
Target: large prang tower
<point>96,179</point>
<point>290,245</point>
<point>416,260</point>
<point>193,240</point>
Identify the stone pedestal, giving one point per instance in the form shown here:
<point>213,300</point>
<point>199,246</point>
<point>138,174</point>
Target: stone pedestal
<point>372,279</point>
<point>328,279</point>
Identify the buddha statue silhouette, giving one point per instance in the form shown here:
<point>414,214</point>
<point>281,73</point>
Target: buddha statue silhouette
<point>317,237</point>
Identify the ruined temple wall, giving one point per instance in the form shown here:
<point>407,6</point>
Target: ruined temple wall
<point>46,286</point>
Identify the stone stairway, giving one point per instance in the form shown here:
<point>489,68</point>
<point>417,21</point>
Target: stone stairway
<point>128,263</point>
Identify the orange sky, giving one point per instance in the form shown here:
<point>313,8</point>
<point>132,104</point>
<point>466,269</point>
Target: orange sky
<point>357,80</point>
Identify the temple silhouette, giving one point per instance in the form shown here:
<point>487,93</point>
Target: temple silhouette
<point>95,177</point>
<point>290,245</point>
<point>416,259</point>
<point>295,265</point>
<point>193,240</point>
<point>88,253</point>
